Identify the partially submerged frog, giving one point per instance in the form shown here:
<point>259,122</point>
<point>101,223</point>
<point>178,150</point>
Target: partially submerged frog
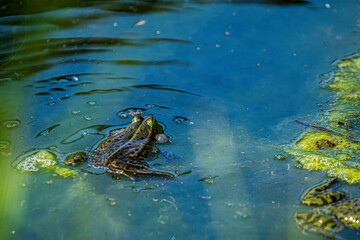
<point>124,152</point>
<point>330,218</point>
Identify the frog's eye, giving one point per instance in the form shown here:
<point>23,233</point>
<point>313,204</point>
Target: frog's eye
<point>137,119</point>
<point>150,121</point>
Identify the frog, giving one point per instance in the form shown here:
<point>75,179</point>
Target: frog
<point>333,210</point>
<point>124,151</point>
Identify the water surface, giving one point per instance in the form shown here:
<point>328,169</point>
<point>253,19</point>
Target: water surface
<point>226,79</point>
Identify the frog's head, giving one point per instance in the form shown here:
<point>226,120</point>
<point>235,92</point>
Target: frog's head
<point>153,124</point>
<point>147,124</point>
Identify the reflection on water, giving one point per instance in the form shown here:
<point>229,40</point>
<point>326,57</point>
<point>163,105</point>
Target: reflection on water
<point>211,72</point>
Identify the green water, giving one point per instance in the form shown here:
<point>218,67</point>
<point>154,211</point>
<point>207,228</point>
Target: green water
<point>225,78</point>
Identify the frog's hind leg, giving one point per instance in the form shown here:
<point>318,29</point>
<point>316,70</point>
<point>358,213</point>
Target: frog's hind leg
<point>119,172</point>
<point>132,168</point>
<point>154,173</point>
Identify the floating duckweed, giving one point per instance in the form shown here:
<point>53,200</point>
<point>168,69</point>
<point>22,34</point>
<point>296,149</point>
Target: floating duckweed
<point>312,141</point>
<point>319,162</point>
<point>44,160</point>
<point>335,151</point>
<point>64,172</point>
<point>344,157</point>
<point>350,175</point>
<point>40,159</point>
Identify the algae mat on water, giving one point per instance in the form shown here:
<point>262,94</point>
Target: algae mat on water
<point>332,144</point>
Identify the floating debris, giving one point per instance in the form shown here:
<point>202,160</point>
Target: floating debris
<point>280,157</point>
<point>209,179</point>
<point>139,23</point>
<point>321,129</point>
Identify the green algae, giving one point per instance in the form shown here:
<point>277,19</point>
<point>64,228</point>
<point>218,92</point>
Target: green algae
<point>64,172</point>
<point>44,160</point>
<point>336,154</point>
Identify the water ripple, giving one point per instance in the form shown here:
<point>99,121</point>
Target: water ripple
<point>145,86</point>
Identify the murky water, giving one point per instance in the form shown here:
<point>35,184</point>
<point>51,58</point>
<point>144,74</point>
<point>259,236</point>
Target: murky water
<point>225,78</point>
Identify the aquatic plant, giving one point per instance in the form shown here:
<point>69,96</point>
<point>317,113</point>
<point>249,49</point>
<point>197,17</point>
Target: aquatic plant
<point>44,160</point>
<point>331,145</point>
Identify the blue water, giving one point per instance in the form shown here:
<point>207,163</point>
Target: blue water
<point>225,78</point>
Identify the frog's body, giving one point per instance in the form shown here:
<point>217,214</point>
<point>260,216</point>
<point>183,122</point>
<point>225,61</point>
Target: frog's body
<point>328,219</point>
<point>124,152</point>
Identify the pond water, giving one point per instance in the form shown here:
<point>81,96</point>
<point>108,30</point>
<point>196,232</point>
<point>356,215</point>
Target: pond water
<point>226,79</point>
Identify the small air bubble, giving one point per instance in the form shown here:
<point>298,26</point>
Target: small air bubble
<point>75,78</point>
<point>92,103</point>
<point>87,118</point>
<point>49,182</point>
<point>115,24</point>
<point>11,123</point>
<point>111,199</point>
<point>75,112</point>
<point>124,115</point>
<point>179,120</point>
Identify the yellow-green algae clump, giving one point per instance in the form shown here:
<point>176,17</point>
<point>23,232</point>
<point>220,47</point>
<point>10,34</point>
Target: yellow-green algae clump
<point>44,160</point>
<point>338,151</point>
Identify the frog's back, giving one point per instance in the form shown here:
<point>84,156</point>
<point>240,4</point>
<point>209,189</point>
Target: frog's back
<point>109,147</point>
